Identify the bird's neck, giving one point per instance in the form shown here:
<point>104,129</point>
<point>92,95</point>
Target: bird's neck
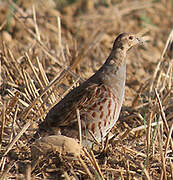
<point>116,58</point>
<point>115,76</point>
<point>113,73</point>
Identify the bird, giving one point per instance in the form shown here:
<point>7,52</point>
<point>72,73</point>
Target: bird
<point>98,99</point>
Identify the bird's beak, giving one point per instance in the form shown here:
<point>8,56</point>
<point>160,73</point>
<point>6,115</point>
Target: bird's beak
<point>135,41</point>
<point>138,40</point>
<point>141,39</point>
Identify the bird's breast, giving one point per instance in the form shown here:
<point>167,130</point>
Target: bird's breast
<point>102,113</point>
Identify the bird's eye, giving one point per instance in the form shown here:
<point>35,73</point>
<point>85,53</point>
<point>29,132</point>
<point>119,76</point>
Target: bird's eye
<point>131,37</point>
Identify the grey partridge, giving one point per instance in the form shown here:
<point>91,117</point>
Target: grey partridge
<point>98,99</point>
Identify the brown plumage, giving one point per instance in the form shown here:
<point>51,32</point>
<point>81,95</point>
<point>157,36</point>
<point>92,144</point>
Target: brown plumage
<point>99,99</point>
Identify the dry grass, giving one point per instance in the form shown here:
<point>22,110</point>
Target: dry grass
<point>45,53</point>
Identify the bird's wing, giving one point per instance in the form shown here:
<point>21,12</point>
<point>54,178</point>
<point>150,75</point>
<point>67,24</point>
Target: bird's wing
<point>65,111</point>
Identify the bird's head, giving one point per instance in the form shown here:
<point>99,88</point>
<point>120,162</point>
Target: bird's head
<point>122,44</point>
<point>125,41</point>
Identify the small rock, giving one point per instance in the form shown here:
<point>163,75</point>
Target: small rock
<point>6,36</point>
